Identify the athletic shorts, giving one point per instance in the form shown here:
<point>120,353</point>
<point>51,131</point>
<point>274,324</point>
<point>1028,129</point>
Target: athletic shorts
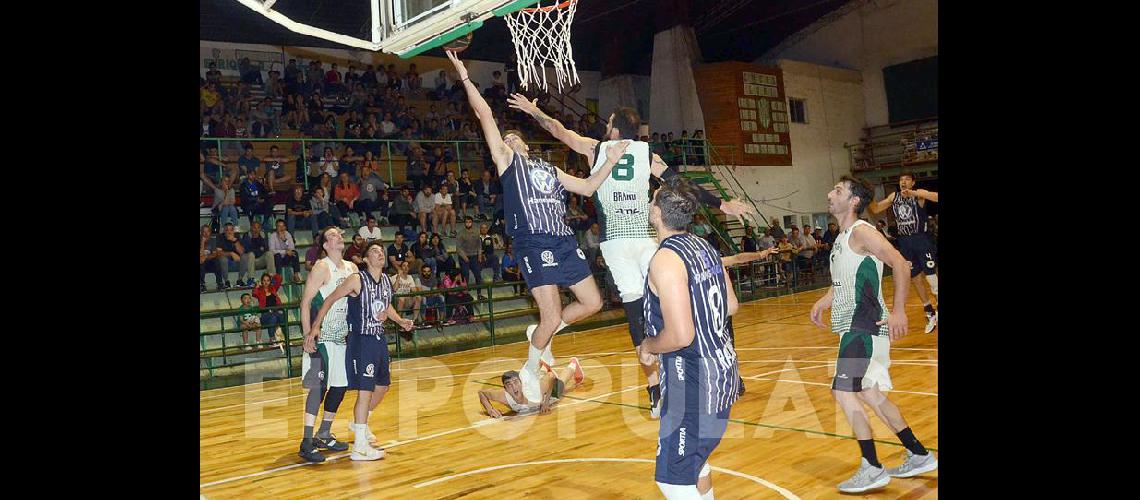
<point>325,367</point>
<point>368,363</point>
<point>863,362</point>
<point>628,260</point>
<point>919,249</point>
<point>550,260</point>
<point>687,435</point>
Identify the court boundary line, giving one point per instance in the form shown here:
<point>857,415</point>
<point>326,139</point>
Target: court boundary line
<point>756,479</point>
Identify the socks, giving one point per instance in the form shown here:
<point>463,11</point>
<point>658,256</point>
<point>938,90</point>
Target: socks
<point>308,432</point>
<point>326,427</point>
<point>547,355</point>
<point>707,496</point>
<point>911,443</point>
<point>361,437</point>
<point>867,447</point>
<point>533,354</point>
<point>933,280</point>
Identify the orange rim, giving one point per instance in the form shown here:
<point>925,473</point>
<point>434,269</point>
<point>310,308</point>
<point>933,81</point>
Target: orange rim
<point>562,5</point>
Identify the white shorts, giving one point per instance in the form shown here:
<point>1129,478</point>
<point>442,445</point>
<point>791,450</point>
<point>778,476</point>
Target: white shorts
<point>628,260</point>
<point>329,365</point>
<point>856,369</point>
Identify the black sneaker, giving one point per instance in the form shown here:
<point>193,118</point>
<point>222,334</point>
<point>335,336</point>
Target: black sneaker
<point>330,443</point>
<point>225,285</point>
<point>309,451</point>
<point>202,287</point>
<point>741,393</point>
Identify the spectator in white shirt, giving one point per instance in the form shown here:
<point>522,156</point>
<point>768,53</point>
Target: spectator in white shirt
<point>284,251</point>
<point>369,232</point>
<point>444,211</point>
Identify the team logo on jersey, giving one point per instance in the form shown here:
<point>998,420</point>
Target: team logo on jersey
<point>548,258</point>
<point>904,212</point>
<point>368,370</point>
<point>321,375</point>
<point>542,180</point>
<point>582,255</point>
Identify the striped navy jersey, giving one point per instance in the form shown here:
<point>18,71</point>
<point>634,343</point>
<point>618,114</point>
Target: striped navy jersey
<point>533,198</point>
<point>909,215</point>
<point>367,310</point>
<point>711,347</point>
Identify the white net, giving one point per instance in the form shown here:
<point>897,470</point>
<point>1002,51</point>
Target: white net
<point>542,35</point>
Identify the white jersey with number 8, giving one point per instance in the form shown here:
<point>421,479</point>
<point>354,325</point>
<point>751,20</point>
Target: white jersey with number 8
<point>623,198</point>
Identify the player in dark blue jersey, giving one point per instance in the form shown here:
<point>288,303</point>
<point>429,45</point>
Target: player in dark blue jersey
<point>544,245</point>
<point>915,242</point>
<point>369,295</point>
<point>689,298</point>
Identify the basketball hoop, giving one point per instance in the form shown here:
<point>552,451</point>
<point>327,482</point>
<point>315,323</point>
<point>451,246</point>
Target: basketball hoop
<point>542,35</point>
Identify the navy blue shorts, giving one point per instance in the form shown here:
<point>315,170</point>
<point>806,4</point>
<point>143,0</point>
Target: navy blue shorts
<point>687,435</point>
<point>920,250</point>
<point>550,260</point>
<point>367,362</point>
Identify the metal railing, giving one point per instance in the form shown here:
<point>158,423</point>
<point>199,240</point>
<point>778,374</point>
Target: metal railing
<point>895,145</point>
<point>751,281</point>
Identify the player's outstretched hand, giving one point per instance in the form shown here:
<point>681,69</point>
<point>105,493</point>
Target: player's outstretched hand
<point>616,149</point>
<point>736,207</point>
<point>459,67</point>
<point>544,408</point>
<point>519,102</point>
<point>495,413</point>
<point>896,324</point>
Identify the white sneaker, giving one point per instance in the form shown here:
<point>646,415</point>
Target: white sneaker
<point>547,356</point>
<point>931,322</point>
<point>371,436</point>
<point>366,453</point>
<point>866,478</point>
<point>915,465</point>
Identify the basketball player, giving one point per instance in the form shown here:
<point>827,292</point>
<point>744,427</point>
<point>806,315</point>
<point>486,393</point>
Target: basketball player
<point>553,388</point>
<point>689,300</point>
<point>859,316</point>
<point>322,367</point>
<point>627,243</point>
<point>915,242</point>
<point>369,303</point>
<point>544,245</point>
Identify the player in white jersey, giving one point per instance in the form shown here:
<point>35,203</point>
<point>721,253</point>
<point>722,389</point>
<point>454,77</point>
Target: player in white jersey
<point>514,393</point>
<point>323,365</point>
<point>859,316</point>
<point>623,200</point>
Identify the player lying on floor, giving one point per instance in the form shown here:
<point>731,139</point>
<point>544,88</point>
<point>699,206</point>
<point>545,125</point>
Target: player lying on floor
<point>525,398</point>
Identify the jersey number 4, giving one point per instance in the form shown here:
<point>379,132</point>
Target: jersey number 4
<point>623,170</point>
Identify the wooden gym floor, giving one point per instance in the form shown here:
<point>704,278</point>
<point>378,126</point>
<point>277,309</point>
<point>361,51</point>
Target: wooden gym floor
<point>786,438</point>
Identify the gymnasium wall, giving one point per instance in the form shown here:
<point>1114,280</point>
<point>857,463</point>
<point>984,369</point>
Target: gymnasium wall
<point>835,109</point>
<point>868,38</point>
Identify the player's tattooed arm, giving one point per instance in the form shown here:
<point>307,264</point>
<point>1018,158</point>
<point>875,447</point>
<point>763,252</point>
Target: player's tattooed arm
<point>582,145</point>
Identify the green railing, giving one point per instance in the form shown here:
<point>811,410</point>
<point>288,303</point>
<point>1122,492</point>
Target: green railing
<point>751,281</point>
<point>306,162</point>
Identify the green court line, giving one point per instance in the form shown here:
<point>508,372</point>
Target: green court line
<point>742,422</point>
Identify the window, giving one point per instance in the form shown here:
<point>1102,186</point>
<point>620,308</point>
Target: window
<point>798,110</point>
